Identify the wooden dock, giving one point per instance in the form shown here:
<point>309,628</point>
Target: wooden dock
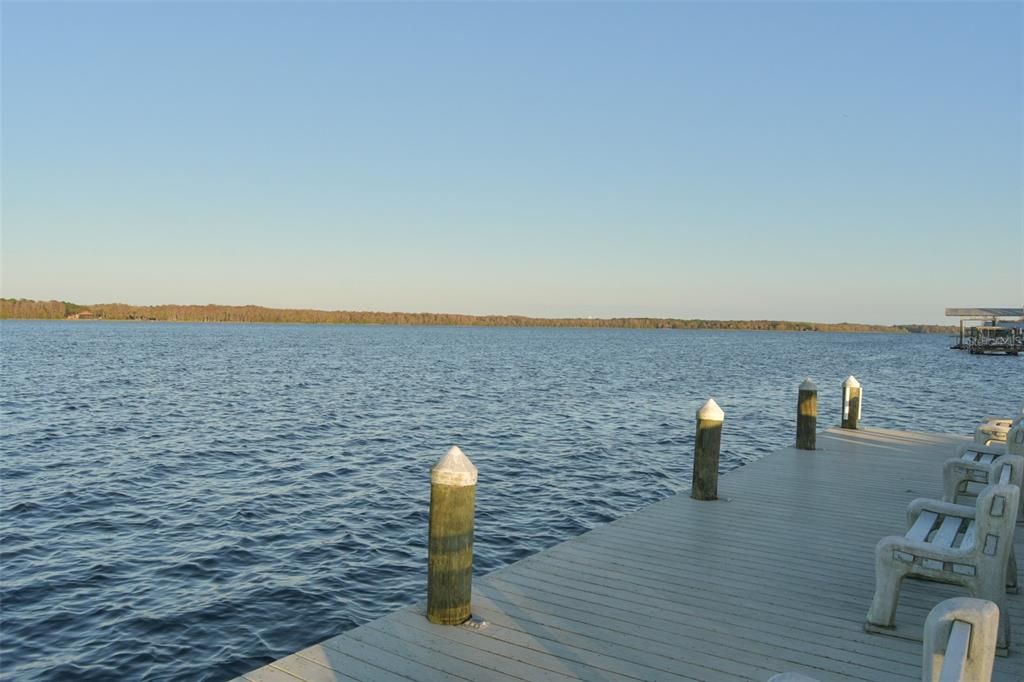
<point>776,576</point>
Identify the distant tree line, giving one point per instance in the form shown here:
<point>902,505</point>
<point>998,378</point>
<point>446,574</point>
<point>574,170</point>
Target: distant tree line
<point>23,308</point>
<point>11,308</point>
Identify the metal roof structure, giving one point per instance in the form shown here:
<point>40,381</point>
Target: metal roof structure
<point>986,313</point>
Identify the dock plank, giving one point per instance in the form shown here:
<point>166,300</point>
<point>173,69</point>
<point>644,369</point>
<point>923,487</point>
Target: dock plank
<point>664,644</point>
<point>776,576</point>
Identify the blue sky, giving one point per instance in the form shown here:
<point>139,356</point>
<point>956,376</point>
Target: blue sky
<point>814,161</point>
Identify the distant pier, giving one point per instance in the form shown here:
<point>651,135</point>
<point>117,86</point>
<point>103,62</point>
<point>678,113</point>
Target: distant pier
<point>776,575</point>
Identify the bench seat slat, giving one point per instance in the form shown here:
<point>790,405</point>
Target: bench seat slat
<point>922,526</point>
<point>968,540</point>
<point>947,531</point>
<point>986,458</point>
<point>954,663</point>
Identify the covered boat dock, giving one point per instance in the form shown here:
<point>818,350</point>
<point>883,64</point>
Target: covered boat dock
<point>990,331</point>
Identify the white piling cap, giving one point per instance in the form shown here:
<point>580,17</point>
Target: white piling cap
<point>808,385</point>
<point>711,412</point>
<point>851,382</point>
<point>454,469</point>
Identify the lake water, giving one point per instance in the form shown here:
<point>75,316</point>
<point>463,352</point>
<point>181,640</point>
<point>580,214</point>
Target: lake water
<point>187,501</point>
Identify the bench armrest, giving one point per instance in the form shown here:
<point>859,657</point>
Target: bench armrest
<point>973,658</point>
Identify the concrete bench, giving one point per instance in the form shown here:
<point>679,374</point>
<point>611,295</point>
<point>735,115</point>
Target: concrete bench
<point>959,643</point>
<point>1015,439</point>
<point>992,431</point>
<point>977,466</point>
<point>996,430</point>
<point>989,434</point>
<point>950,543</point>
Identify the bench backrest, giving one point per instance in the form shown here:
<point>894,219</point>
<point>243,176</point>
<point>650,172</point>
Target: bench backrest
<point>954,661</point>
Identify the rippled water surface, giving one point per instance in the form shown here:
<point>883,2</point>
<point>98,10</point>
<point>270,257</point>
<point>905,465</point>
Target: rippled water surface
<point>191,501</point>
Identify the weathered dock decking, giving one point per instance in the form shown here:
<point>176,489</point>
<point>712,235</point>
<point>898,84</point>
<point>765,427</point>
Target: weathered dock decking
<point>777,576</point>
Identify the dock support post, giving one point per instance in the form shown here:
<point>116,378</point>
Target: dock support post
<point>450,546</point>
<point>851,403</point>
<point>706,448</point>
<point>807,416</point>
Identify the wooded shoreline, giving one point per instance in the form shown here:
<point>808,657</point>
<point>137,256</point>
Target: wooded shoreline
<point>27,309</point>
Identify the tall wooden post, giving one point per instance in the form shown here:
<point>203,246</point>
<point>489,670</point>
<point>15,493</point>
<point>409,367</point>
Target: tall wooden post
<point>450,546</point>
<point>706,448</point>
<point>807,416</point>
<point>851,403</point>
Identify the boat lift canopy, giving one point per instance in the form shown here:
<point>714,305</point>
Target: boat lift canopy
<point>984,313</point>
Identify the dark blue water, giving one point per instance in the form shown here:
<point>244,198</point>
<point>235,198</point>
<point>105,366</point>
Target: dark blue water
<point>191,501</point>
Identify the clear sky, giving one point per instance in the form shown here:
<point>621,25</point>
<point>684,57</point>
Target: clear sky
<point>812,161</point>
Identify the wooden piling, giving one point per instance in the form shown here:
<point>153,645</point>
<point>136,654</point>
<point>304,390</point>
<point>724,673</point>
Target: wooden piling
<point>851,403</point>
<point>706,449</point>
<point>450,546</point>
<point>807,416</point>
